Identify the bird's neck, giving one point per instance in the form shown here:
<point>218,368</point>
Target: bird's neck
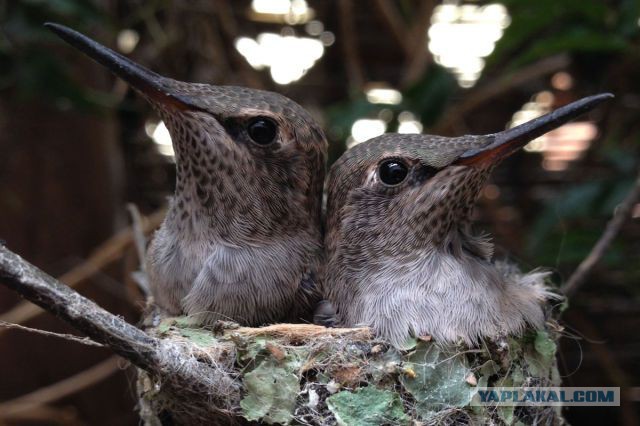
<point>235,221</point>
<point>448,292</point>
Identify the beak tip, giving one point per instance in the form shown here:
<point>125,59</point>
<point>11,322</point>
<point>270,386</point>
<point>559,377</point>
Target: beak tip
<point>509,141</point>
<point>56,28</point>
<point>152,85</point>
<point>601,97</point>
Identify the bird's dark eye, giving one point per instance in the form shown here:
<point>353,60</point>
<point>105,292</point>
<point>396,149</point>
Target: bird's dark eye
<point>262,130</point>
<point>392,172</point>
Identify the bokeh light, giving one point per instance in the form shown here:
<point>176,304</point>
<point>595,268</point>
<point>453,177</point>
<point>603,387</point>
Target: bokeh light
<point>287,57</point>
<point>281,11</point>
<point>561,146</point>
<point>160,135</point>
<point>365,129</point>
<point>383,95</point>
<point>462,35</point>
<point>408,123</point>
<point>127,40</point>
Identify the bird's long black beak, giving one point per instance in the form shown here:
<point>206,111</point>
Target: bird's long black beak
<point>150,84</point>
<point>507,142</point>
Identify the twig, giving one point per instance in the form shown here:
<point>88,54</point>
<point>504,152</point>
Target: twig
<point>355,73</point>
<point>139,275</point>
<point>80,312</point>
<point>138,233</point>
<point>66,416</point>
<point>71,337</point>
<point>181,375</point>
<point>498,87</point>
<point>61,389</point>
<point>303,331</point>
<point>397,27</point>
<point>418,61</point>
<point>106,253</point>
<point>228,24</point>
<point>610,365</point>
<point>620,216</point>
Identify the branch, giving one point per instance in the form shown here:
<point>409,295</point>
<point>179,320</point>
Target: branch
<point>42,414</point>
<point>355,73</point>
<point>101,326</point>
<point>139,275</point>
<point>59,390</point>
<point>170,363</point>
<point>70,337</point>
<point>620,216</point>
<point>106,253</point>
<point>138,233</point>
<point>420,58</point>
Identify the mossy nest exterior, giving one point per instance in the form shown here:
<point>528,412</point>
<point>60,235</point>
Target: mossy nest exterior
<point>306,374</point>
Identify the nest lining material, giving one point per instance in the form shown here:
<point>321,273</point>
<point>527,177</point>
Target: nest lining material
<point>306,374</point>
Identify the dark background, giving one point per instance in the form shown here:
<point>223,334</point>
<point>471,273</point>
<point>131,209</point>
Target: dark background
<point>74,151</point>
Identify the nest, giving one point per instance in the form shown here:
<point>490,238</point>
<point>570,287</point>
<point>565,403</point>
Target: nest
<point>311,375</point>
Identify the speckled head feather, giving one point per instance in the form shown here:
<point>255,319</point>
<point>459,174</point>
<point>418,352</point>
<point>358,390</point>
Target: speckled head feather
<point>242,237</point>
<point>400,255</point>
<point>420,202</point>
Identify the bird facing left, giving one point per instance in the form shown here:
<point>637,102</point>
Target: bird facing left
<point>242,237</point>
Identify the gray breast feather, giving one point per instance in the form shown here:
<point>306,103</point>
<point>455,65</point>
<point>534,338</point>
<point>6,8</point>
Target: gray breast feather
<point>449,298</point>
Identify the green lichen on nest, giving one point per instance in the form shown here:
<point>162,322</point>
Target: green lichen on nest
<point>351,379</point>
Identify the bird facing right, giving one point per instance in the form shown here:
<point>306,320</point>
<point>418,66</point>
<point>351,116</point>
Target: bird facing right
<point>400,255</point>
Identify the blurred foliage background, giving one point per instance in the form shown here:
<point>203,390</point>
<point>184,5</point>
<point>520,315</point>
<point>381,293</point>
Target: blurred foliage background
<point>76,145</point>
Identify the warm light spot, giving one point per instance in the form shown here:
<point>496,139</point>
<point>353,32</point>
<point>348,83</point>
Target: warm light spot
<point>410,127</point>
<point>408,123</point>
<point>365,129</point>
<point>287,57</point>
<point>159,133</point>
<point>460,37</point>
<point>281,11</point>
<point>562,81</point>
<point>314,28</point>
<point>544,99</point>
<point>636,211</point>
<point>536,145</point>
<point>149,127</point>
<point>562,155</point>
<point>271,6</point>
<point>127,40</point>
<point>560,146</point>
<point>382,95</point>
<point>386,115</point>
<point>491,192</point>
<point>555,165</point>
<point>327,38</point>
<point>406,116</point>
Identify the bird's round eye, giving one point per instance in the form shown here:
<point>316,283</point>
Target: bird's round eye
<point>393,172</point>
<point>262,130</point>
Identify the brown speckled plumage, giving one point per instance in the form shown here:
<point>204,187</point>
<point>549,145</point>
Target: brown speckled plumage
<point>401,258</point>
<point>249,214</point>
<point>242,237</point>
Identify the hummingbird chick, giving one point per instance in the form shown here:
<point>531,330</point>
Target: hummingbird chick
<point>242,237</point>
<point>400,255</point>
